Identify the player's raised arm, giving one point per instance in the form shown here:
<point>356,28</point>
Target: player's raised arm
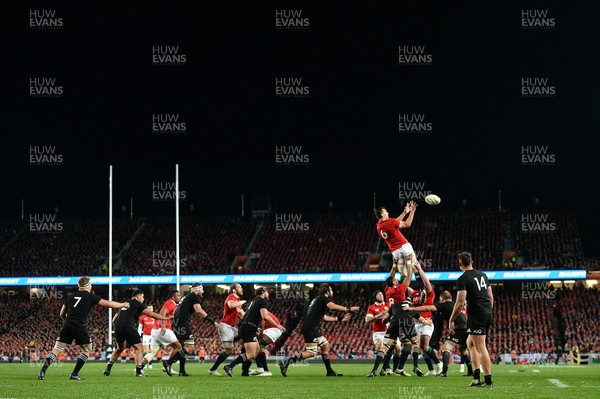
<point>404,213</point>
<point>424,277</point>
<point>113,304</point>
<point>412,209</point>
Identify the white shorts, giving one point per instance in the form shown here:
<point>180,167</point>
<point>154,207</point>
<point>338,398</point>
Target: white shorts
<point>273,333</point>
<point>424,329</point>
<point>378,337</point>
<point>403,252</point>
<point>162,340</point>
<point>227,332</point>
<point>146,339</point>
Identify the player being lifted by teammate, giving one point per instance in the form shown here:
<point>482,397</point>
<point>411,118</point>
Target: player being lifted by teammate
<point>473,287</point>
<point>189,305</point>
<point>459,337</point>
<point>255,312</point>
<point>75,312</point>
<point>313,337</point>
<point>125,330</point>
<point>389,229</point>
<point>232,311</point>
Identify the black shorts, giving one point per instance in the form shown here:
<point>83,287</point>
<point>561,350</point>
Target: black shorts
<point>70,332</point>
<point>310,333</point>
<point>402,329</point>
<point>479,323</point>
<point>459,337</point>
<point>248,333</point>
<point>128,334</point>
<point>183,332</point>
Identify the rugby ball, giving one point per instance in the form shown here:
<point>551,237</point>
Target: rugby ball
<point>432,199</point>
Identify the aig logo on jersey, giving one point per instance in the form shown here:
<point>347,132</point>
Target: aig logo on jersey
<point>477,331</point>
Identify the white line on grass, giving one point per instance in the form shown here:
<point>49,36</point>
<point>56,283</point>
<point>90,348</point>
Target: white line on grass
<point>558,383</point>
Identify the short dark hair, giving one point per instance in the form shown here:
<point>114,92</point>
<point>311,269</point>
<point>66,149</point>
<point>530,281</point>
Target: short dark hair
<point>465,258</point>
<point>378,211</point>
<point>136,292</point>
<point>446,295</point>
<point>171,293</point>
<point>232,288</point>
<point>260,291</point>
<point>324,289</point>
<point>389,281</point>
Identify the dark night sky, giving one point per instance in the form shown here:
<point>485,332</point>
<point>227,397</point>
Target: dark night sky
<point>348,125</point>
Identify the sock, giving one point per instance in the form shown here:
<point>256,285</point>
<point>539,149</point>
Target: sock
<point>246,367</point>
<point>81,359</point>
<point>262,357</point>
<point>240,359</point>
<point>476,374</point>
<point>49,360</point>
<point>467,360</point>
<point>138,369</point>
<point>446,360</point>
<point>220,359</point>
<point>488,379</point>
<point>151,360</point>
<point>175,358</point>
<point>431,354</point>
<point>182,359</point>
<point>327,363</point>
<point>415,356</point>
<point>296,358</point>
<point>428,361</point>
<point>396,361</point>
<point>387,358</point>
<point>403,358</point>
<point>109,365</point>
<point>378,360</point>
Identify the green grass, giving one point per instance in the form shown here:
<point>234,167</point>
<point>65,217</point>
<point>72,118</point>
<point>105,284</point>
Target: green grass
<point>20,381</point>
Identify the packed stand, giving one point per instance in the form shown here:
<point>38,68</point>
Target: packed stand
<point>208,245</point>
<point>74,247</point>
<point>548,240</point>
<point>325,243</point>
<point>580,309</point>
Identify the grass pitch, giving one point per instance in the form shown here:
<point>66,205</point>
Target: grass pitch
<point>510,381</point>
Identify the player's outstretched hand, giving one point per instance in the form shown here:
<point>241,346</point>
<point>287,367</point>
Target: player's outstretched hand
<point>354,308</point>
<point>242,302</point>
<point>407,207</point>
<point>125,305</point>
<point>413,205</point>
<point>217,325</point>
<point>282,328</point>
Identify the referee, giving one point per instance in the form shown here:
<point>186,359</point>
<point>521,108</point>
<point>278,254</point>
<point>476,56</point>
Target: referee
<point>473,287</point>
